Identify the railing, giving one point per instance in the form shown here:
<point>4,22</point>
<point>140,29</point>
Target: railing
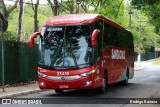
<point>20,62</point>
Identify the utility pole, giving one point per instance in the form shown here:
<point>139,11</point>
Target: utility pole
<point>2,43</point>
<point>139,45</point>
<point>2,60</point>
<point>3,27</point>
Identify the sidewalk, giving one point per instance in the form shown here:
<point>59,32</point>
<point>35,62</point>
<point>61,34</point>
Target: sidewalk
<point>138,67</point>
<point>142,65</point>
<point>19,90</point>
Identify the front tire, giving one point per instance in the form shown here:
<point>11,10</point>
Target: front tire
<point>102,89</point>
<point>58,90</point>
<point>125,82</point>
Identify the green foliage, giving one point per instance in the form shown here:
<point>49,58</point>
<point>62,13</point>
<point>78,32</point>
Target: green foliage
<point>144,36</point>
<point>152,10</point>
<point>144,32</point>
<point>11,32</point>
<point>8,35</point>
<point>156,62</point>
<point>115,10</point>
<point>27,22</point>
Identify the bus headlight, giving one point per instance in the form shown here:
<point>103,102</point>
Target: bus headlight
<point>42,84</point>
<point>42,75</point>
<point>87,73</point>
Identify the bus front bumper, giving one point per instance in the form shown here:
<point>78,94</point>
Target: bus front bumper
<point>62,83</point>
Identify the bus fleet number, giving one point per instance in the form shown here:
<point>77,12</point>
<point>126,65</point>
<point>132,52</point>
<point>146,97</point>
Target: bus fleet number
<point>62,73</point>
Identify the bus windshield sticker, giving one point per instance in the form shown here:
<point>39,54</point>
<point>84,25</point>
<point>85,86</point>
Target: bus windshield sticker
<point>54,29</point>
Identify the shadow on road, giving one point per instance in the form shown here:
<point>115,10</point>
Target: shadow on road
<point>111,89</point>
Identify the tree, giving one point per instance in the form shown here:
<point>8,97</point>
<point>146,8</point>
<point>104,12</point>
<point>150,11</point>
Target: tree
<point>87,4</point>
<point>65,7</point>
<point>143,32</point>
<point>20,20</point>
<point>113,9</point>
<point>151,8</point>
<point>35,9</point>
<point>5,13</point>
<point>119,6</point>
<point>4,23</point>
<point>54,7</point>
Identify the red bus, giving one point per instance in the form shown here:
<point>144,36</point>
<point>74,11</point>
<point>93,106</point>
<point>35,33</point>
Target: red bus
<point>83,51</point>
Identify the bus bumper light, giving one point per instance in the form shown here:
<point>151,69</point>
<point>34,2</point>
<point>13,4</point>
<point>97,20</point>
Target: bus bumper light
<point>42,84</point>
<point>87,83</point>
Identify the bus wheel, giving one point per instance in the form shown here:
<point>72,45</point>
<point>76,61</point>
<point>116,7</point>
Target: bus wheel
<point>125,82</point>
<point>58,91</point>
<point>102,89</point>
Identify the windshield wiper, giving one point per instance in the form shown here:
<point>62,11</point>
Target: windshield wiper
<point>45,66</point>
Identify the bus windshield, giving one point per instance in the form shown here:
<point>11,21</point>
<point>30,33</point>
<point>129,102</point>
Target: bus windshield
<point>65,47</point>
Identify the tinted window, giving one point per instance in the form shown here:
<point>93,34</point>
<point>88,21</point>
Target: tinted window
<point>98,48</point>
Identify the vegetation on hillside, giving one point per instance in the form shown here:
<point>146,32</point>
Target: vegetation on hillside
<point>144,18</point>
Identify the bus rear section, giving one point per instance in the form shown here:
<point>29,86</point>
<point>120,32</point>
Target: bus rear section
<point>75,52</point>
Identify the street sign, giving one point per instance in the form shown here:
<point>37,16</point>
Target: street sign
<point>157,49</point>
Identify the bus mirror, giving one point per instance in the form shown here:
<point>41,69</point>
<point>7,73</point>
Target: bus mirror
<point>94,37</point>
<point>31,39</point>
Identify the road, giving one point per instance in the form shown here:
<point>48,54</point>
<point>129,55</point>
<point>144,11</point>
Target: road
<point>145,84</point>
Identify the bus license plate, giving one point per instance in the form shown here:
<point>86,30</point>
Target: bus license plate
<point>63,86</point>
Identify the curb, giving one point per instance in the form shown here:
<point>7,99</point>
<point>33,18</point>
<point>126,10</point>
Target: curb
<point>21,93</point>
<point>138,68</point>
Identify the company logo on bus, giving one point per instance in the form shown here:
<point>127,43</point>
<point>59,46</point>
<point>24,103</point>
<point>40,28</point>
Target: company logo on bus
<point>63,78</point>
<point>118,54</point>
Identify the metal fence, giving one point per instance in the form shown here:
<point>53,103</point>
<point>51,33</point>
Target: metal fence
<point>146,56</point>
<point>20,62</point>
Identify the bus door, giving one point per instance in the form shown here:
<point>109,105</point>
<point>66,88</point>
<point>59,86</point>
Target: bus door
<point>99,62</point>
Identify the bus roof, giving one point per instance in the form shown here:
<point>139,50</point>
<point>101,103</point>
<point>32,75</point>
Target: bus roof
<point>74,19</point>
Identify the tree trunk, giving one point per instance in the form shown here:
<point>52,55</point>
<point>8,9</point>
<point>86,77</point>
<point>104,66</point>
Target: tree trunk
<point>5,13</point>
<point>35,17</point>
<point>20,20</point>
<point>71,7</point>
<point>55,6</point>
<point>119,6</point>
<point>50,3</point>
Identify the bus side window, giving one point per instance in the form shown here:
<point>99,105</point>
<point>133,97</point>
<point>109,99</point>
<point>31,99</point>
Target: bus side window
<point>115,37</point>
<point>107,36</point>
